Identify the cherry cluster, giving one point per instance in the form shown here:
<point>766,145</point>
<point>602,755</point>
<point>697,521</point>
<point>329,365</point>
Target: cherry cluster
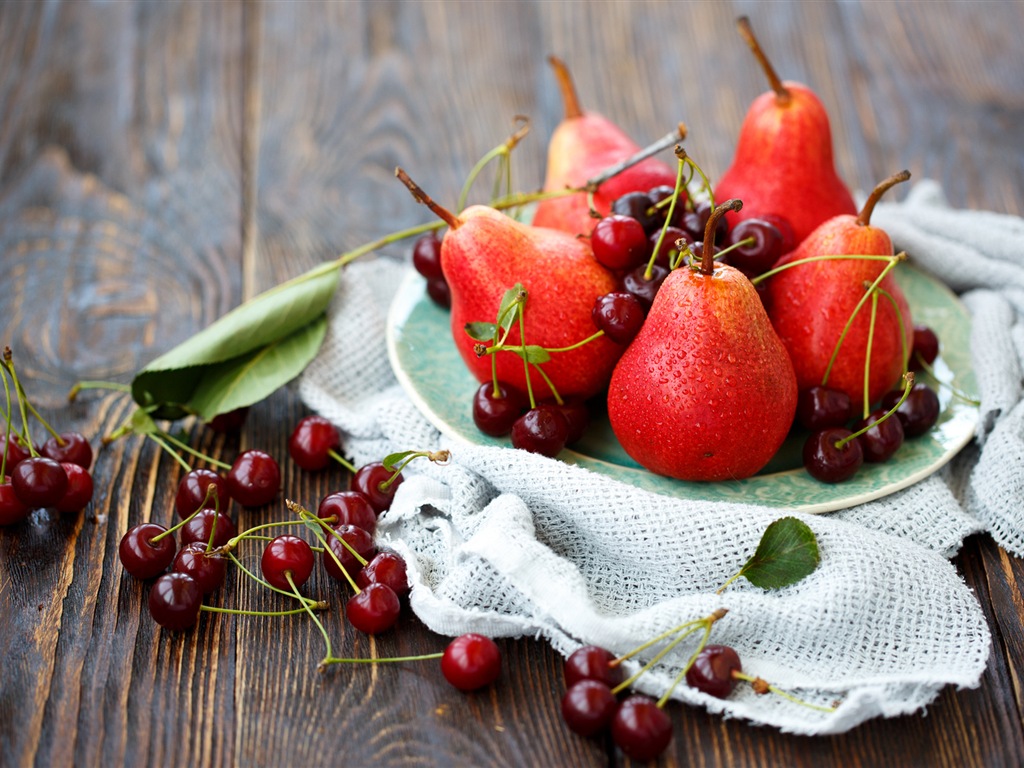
<point>839,445</point>
<point>54,474</point>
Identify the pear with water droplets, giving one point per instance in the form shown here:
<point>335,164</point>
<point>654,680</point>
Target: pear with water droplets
<point>706,391</point>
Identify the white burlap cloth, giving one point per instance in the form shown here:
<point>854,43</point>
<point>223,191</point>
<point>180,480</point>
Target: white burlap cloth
<point>507,543</point>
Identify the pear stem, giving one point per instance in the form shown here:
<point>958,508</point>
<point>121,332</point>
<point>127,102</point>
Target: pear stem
<point>707,262</point>
<point>565,84</point>
<point>782,93</point>
<point>864,217</point>
<point>422,197</point>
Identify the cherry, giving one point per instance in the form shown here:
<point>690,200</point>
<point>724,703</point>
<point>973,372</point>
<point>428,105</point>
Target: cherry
<point>349,507</point>
<point>883,439</point>
<point>79,491</point>
<point>754,258</point>
<point>374,609</point>
<point>175,600</point>
<point>590,662</point>
<point>495,414</point>
<point>640,728</point>
<point>620,315</point>
<point>696,221</point>
<point>16,452</point>
<point>925,348</point>
<point>712,670</point>
<point>619,242</point>
<point>359,540</point>
<point>11,509</point>
<point>828,462</point>
<point>782,224</point>
<point>542,430</point>
<point>231,421</point>
<point>141,556</point>
<point>644,288</point>
<point>669,244</point>
<point>663,192</point>
<point>426,256</point>
<point>312,441</point>
<point>368,480</point>
<point>72,447</point>
<point>637,205</point>
<point>577,418</point>
<point>283,555</point>
<point>200,527</point>
<point>821,407</point>
<point>192,490</point>
<point>588,706</point>
<point>254,479</point>
<point>471,661</point>
<point>208,570</point>
<point>385,568</point>
<point>919,411</point>
<point>39,481</point>
<point>439,292</point>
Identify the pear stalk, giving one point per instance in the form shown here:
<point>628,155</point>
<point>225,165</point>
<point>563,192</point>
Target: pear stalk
<point>864,217</point>
<point>707,263</point>
<point>782,94</point>
<point>570,100</point>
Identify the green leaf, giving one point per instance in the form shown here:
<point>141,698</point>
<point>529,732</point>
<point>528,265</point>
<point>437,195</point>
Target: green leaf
<point>536,354</point>
<point>788,552</point>
<point>481,331</point>
<point>245,380</point>
<point>171,381</point>
<point>394,458</point>
<point>511,305</point>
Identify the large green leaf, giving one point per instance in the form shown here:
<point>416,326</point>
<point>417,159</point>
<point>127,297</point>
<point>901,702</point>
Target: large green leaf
<point>250,378</point>
<point>172,380</point>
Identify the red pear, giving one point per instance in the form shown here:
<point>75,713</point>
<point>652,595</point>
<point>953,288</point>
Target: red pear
<point>783,165</point>
<point>810,304</point>
<point>583,145</point>
<point>706,390</point>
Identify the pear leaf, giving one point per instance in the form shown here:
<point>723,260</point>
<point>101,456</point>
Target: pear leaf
<point>480,331</point>
<point>511,306</point>
<point>394,458</point>
<point>536,354</point>
<point>168,385</point>
<point>787,552</point>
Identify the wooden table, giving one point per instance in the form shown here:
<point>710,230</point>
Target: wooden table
<point>162,161</point>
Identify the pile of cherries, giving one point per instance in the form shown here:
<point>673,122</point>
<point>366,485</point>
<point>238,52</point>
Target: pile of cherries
<point>831,454</point>
<point>55,474</point>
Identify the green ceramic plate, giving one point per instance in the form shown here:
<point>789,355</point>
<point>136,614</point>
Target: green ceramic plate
<point>430,370</point>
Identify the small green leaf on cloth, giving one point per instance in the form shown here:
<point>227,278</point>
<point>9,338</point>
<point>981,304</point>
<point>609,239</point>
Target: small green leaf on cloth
<point>787,552</point>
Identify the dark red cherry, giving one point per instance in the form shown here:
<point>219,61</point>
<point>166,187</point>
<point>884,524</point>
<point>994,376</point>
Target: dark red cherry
<point>254,479</point>
<point>192,490</point>
<point>231,421</point>
<point>753,258</point>
<point>494,413</point>
<point>588,707</point>
<point>175,600</point>
<point>471,661</point>
<point>374,609</point>
<point>643,287</point>
<point>349,507</point>
<point>590,662</point>
<point>426,256</point>
<point>828,461</point>
<point>357,539</point>
<point>620,315</point>
<point>285,555</point>
<point>201,527</point>
<point>919,412</point>
<point>39,481</point>
<point>712,670</point>
<point>619,242</point>
<point>664,192</point>
<point>882,439</point>
<point>369,480</point>
<point>640,728</point>
<point>141,556</point>
<point>577,418</point>
<point>79,491</point>
<point>670,246</point>
<point>17,452</point>
<point>386,568</point>
<point>789,241</point>
<point>822,407</point>
<point>439,292</point>
<point>11,509</point>
<point>542,430</point>
<point>637,205</point>
<point>72,447</point>
<point>208,570</point>
<point>695,222</point>
<point>925,349</point>
<point>312,441</point>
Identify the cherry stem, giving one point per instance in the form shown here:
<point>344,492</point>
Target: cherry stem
<point>327,638</point>
<point>908,379</point>
<point>782,93</point>
<point>19,392</point>
<point>867,351</point>
<point>713,617</point>
<point>384,660</point>
<point>762,685</point>
<point>501,151</point>
<point>318,605</point>
<point>927,368</point>
<point>526,364</point>
<point>707,264</point>
<point>111,385</point>
<point>864,217</point>
<point>174,454</point>
<point>266,584</point>
<point>441,457</point>
<point>899,322</point>
<point>686,667</point>
<point>318,528</point>
<point>7,427</point>
<point>734,247</point>
<point>812,259</point>
<point>249,533</point>
<point>681,159</point>
<point>341,460</point>
<point>193,452</point>
<point>668,140</point>
<point>210,491</point>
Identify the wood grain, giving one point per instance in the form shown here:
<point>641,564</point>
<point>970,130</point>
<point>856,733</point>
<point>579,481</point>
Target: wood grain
<point>159,162</point>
